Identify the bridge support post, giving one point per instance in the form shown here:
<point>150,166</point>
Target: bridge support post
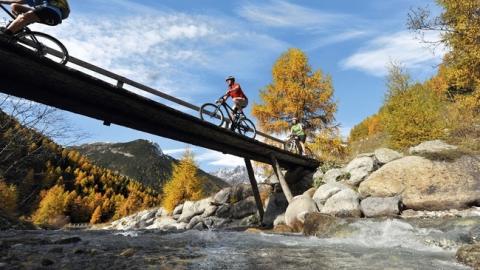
<point>256,193</point>
<point>281,178</point>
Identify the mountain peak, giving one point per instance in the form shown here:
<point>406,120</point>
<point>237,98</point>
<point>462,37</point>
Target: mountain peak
<point>140,159</point>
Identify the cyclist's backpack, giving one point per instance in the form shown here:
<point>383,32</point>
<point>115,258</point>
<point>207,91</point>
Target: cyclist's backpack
<point>63,6</point>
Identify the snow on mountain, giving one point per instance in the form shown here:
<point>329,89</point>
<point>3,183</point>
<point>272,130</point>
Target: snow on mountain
<point>235,175</point>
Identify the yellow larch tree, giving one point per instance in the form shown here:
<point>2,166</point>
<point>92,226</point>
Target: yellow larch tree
<point>185,183</point>
<point>295,91</point>
<point>51,206</point>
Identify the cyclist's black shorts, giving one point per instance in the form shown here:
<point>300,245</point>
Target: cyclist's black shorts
<point>48,15</point>
<point>302,138</point>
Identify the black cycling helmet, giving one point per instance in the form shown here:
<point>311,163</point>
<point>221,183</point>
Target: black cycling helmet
<point>230,78</point>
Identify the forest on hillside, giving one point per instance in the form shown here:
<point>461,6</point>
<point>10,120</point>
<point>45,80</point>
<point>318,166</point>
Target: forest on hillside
<point>49,184</point>
<point>446,106</point>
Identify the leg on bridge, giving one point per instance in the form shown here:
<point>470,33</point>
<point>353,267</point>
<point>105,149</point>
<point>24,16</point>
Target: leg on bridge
<point>256,193</point>
<point>281,178</point>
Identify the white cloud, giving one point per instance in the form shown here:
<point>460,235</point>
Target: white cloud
<point>219,159</point>
<point>278,13</point>
<point>174,151</point>
<point>173,52</point>
<point>337,38</point>
<point>152,53</point>
<point>402,47</point>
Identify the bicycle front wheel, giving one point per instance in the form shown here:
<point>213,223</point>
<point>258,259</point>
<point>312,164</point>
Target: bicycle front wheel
<point>211,113</point>
<point>247,128</point>
<point>44,46</point>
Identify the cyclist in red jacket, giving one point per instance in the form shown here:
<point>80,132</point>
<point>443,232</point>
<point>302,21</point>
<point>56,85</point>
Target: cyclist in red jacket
<point>234,91</point>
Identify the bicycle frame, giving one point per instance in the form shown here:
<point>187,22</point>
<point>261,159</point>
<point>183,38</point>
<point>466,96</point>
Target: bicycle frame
<point>229,111</point>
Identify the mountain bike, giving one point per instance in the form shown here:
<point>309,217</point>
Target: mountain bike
<point>42,44</point>
<point>292,144</point>
<point>239,123</point>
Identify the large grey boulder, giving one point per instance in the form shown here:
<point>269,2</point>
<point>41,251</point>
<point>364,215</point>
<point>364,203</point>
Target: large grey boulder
<point>297,209</point>
<point>427,185</point>
<point>161,212</point>
<point>431,147</point>
<point>191,209</point>
<point>180,226</point>
<point>137,221</point>
<point>223,196</point>
<point>147,214</point>
<point>223,211</point>
<point>321,225</point>
<point>210,211</point>
<point>240,192</point>
<point>385,155</point>
<point>199,226</point>
<point>244,208</point>
<point>215,222</point>
<point>178,209</point>
<point>333,176</point>
<point>280,220</point>
<point>345,203</point>
<point>203,204</point>
<point>380,207</point>
<point>162,223</point>
<point>194,221</point>
<point>249,221</point>
<point>324,192</point>
<point>318,175</point>
<point>188,212</point>
<point>310,192</point>
<point>277,204</point>
<point>359,169</point>
<point>469,255</point>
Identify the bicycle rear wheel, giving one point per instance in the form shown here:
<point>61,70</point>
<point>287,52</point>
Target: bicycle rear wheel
<point>211,113</point>
<point>247,128</point>
<point>291,146</point>
<point>44,46</point>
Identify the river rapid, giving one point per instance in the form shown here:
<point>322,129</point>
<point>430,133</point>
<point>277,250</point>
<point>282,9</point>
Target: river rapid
<point>363,244</point>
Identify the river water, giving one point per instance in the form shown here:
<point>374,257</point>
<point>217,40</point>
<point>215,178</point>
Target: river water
<point>364,244</point>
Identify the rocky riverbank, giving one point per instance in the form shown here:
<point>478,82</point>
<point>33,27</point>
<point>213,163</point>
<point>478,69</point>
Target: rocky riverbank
<point>434,177</point>
<point>231,207</point>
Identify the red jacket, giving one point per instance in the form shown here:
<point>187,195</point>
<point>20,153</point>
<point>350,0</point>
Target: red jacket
<point>235,91</point>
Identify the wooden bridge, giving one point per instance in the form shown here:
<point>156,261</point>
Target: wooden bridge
<point>25,75</point>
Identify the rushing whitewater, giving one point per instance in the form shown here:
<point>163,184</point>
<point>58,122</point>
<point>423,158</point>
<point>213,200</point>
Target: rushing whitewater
<point>363,244</point>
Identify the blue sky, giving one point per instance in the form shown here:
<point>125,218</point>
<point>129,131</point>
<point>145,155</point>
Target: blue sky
<point>187,48</point>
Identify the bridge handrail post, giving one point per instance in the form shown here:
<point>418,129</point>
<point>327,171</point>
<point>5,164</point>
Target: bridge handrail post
<point>281,178</point>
